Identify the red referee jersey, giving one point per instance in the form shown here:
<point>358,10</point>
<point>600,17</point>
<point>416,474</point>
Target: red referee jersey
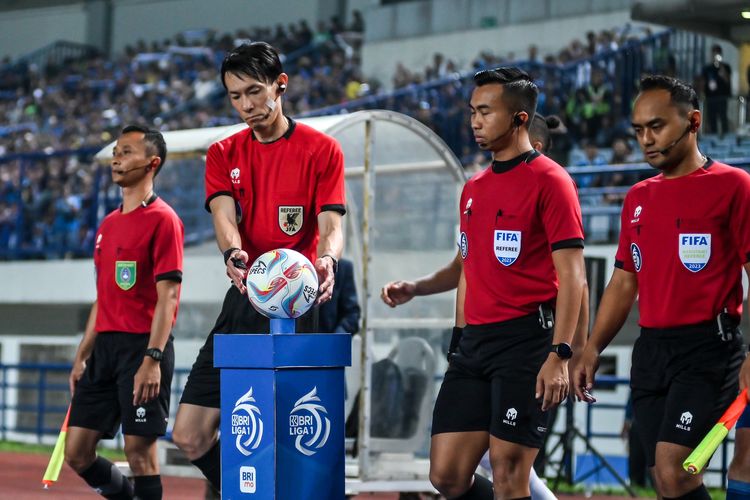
<point>279,188</point>
<point>133,251</point>
<point>687,239</point>
<point>513,216</point>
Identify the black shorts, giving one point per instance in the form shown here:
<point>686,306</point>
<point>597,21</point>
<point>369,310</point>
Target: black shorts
<point>236,316</point>
<point>103,397</point>
<point>491,381</point>
<point>682,381</point>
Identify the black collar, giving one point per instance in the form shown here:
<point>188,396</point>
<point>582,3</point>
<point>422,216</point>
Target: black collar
<point>500,167</point>
<point>708,163</point>
<point>287,134</point>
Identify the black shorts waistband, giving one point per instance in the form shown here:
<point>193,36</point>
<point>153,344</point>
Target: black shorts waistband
<point>508,327</point>
<point>694,330</point>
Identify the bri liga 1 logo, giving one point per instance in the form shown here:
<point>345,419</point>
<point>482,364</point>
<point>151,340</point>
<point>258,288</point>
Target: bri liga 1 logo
<point>247,424</point>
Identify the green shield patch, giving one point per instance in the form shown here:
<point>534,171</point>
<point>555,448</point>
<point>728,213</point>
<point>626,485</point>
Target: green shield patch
<point>125,273</point>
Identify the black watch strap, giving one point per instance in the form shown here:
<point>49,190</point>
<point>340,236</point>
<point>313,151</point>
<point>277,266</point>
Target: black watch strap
<point>154,353</point>
<point>228,253</point>
<point>334,260</point>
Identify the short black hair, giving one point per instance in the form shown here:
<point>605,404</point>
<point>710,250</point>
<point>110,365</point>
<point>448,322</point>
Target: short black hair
<point>154,142</point>
<point>258,60</point>
<point>520,92</point>
<point>541,128</point>
<point>680,92</point>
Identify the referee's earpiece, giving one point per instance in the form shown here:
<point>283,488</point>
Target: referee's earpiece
<point>517,120</point>
<point>282,88</point>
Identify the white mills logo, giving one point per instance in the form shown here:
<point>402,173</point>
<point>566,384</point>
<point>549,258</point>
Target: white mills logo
<point>510,417</point>
<point>140,414</point>
<point>685,420</point>
<point>307,423</point>
<point>247,424</point>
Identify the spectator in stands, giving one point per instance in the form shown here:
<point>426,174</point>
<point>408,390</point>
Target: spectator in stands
<point>717,87</point>
<point>592,158</point>
<point>597,104</point>
<point>358,22</point>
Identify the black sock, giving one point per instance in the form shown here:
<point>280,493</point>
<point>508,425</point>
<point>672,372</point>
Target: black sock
<point>148,487</point>
<point>480,490</point>
<point>699,493</point>
<point>107,480</point>
<point>210,465</point>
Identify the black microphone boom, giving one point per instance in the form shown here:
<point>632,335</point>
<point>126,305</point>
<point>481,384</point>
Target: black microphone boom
<point>666,150</point>
<point>131,169</point>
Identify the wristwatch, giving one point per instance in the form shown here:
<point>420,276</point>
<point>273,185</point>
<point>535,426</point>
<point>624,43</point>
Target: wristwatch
<point>333,259</point>
<point>563,350</point>
<point>154,353</point>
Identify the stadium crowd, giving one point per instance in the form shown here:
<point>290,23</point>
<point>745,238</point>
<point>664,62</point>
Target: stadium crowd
<point>49,203</point>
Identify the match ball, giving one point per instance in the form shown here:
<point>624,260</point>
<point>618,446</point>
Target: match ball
<point>282,284</point>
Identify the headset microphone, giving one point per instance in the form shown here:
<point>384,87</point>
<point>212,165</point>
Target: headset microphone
<point>666,150</point>
<point>121,172</point>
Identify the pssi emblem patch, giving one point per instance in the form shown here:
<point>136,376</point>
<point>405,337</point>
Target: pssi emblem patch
<point>507,246</point>
<point>694,250</point>
<point>125,273</point>
<point>291,219</point>
<point>635,252</point>
<point>463,245</point>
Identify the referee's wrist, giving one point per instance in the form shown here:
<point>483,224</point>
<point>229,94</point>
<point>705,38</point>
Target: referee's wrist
<point>228,253</point>
<point>334,261</point>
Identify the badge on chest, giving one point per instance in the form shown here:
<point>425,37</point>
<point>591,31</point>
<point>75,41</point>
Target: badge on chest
<point>694,250</point>
<point>291,219</point>
<point>507,246</point>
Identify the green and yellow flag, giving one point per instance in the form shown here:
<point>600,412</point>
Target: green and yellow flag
<point>58,456</point>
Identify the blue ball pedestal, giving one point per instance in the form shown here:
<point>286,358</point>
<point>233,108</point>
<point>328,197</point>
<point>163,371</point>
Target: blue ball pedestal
<point>282,414</point>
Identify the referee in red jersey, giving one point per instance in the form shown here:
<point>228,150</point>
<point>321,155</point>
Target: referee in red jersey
<point>521,285</point>
<point>276,184</point>
<point>123,368</point>
<point>685,237</point>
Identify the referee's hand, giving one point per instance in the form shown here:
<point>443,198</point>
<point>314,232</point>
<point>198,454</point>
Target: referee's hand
<point>75,375</point>
<point>552,382</point>
<point>399,292</point>
<point>146,382</point>
<point>235,273</point>
<point>324,268</point>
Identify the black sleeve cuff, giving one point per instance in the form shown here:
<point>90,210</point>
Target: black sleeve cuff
<point>571,243</point>
<point>215,195</point>
<point>619,264</point>
<point>171,276</point>
<point>334,208</point>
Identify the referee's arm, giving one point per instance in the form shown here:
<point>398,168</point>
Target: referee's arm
<point>148,378</point>
<point>84,349</point>
<point>617,300</point>
<point>224,217</point>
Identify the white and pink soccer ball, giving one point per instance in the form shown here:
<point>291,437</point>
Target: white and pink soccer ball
<point>282,284</point>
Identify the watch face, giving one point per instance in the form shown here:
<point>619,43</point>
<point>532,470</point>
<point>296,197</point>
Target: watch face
<point>564,351</point>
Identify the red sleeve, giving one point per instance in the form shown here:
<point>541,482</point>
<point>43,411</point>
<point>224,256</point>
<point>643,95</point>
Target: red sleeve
<point>330,191</point>
<point>167,248</point>
<point>739,223</point>
<point>624,256</point>
<point>561,212</point>
<point>217,178</point>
